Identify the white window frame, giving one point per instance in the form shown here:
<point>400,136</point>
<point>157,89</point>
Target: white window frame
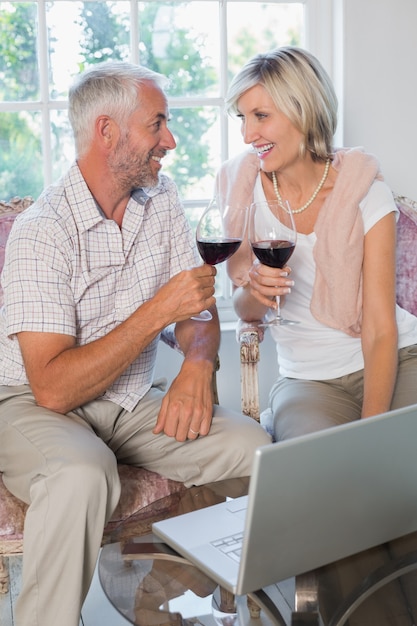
<point>318,38</point>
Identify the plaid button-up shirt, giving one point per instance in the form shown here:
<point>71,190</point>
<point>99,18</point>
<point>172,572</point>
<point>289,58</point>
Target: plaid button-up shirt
<point>72,271</point>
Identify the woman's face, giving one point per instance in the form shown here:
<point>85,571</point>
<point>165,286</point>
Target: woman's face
<point>273,136</point>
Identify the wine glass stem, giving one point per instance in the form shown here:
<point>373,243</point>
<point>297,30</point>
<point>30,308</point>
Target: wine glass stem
<point>278,314</point>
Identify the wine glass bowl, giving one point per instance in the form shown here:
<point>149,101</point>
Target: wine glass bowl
<point>272,236</point>
<point>220,231</point>
<point>213,252</point>
<point>274,253</point>
<point>219,234</point>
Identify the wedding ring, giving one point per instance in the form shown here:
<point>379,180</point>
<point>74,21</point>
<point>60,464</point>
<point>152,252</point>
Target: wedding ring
<point>193,431</point>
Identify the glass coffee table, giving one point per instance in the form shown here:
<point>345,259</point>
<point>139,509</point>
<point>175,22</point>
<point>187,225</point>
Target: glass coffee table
<point>151,586</point>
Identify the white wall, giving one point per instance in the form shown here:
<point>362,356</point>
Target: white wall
<point>380,84</point>
<point>374,69</point>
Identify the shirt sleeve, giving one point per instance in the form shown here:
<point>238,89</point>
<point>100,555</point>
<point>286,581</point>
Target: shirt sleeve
<point>37,292</point>
<point>378,202</point>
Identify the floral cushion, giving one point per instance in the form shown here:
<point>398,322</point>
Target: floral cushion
<point>145,496</point>
<point>407,254</point>
<point>6,222</point>
<point>8,212</point>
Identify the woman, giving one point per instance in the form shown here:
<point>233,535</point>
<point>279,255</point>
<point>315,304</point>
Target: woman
<point>354,353</point>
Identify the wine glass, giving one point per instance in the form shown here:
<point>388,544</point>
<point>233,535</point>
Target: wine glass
<point>219,233</point>
<point>272,236</point>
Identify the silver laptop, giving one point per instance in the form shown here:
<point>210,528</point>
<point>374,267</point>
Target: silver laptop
<point>312,500</point>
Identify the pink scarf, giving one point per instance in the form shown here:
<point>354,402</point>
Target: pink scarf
<point>338,253</point>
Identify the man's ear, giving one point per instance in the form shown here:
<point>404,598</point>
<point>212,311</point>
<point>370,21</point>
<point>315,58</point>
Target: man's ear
<point>107,130</point>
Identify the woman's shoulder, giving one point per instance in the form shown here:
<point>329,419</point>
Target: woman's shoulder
<point>246,160</point>
<point>379,194</point>
<point>378,202</point>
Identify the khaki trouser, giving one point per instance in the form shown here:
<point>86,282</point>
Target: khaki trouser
<point>304,406</point>
<point>65,468</point>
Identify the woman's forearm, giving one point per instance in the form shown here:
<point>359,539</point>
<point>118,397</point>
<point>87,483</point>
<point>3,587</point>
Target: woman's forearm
<point>246,306</point>
<point>380,373</point>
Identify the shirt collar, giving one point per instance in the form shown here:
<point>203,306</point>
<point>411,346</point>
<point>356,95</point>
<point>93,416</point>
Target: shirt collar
<point>87,211</point>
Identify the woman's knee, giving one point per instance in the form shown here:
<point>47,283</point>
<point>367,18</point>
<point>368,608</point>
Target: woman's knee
<point>309,406</point>
<point>289,425</point>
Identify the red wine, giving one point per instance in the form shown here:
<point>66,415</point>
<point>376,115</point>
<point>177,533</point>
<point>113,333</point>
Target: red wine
<point>274,253</point>
<point>217,250</point>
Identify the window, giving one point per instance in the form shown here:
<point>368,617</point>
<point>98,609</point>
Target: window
<point>199,44</point>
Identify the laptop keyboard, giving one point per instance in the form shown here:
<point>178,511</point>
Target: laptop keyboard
<point>232,545</point>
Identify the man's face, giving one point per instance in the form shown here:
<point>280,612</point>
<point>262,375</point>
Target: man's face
<point>145,139</point>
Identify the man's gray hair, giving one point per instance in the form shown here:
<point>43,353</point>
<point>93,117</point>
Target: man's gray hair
<point>108,88</point>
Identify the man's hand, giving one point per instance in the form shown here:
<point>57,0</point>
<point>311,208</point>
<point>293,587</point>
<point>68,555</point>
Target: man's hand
<point>187,293</point>
<point>187,409</point>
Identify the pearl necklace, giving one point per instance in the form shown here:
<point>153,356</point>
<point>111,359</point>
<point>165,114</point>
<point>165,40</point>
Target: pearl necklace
<point>313,197</point>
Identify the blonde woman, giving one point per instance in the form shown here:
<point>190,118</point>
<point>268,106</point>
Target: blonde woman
<point>353,354</point>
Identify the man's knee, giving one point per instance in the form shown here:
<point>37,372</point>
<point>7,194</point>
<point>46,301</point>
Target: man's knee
<point>241,436</point>
<point>91,482</point>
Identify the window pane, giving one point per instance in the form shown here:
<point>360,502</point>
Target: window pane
<point>20,155</point>
<point>84,33</point>
<point>62,143</point>
<point>277,24</point>
<point>196,158</point>
<point>19,74</point>
<point>181,40</point>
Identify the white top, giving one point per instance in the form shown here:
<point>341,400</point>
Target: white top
<point>310,350</point>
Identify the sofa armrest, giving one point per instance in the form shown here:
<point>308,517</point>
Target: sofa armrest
<point>406,254</point>
<point>168,337</point>
<point>249,336</point>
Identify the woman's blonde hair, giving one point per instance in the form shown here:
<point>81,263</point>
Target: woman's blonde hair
<point>300,87</point>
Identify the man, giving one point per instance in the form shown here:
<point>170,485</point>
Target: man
<point>95,269</point>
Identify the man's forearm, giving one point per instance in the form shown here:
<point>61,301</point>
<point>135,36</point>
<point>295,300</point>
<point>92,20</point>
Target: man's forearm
<point>198,339</point>
<point>79,374</point>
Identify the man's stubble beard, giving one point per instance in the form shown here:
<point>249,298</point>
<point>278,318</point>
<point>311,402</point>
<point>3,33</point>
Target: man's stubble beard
<point>130,169</point>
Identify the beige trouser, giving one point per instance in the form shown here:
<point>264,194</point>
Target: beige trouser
<point>305,406</point>
<point>65,468</point>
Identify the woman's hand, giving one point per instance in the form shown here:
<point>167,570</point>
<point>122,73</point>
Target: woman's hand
<point>268,282</point>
